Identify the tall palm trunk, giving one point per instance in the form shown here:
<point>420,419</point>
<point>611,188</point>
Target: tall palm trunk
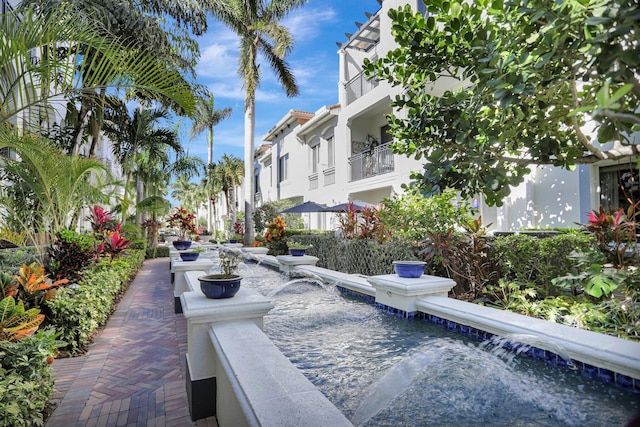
<point>249,133</point>
<point>139,198</point>
<point>209,163</point>
<point>232,207</point>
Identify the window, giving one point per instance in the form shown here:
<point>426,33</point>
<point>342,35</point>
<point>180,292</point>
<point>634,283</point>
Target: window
<point>282,168</point>
<point>315,158</point>
<point>618,185</point>
<point>330,153</point>
<point>385,136</point>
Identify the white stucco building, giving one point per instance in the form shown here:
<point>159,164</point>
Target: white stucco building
<point>340,152</point>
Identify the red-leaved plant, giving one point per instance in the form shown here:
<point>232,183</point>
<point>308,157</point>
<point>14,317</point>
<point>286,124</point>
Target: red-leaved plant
<point>615,230</point>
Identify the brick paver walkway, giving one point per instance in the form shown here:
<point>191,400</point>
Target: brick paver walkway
<point>134,372</point>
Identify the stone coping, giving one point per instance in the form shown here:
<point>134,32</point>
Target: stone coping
<point>269,389</point>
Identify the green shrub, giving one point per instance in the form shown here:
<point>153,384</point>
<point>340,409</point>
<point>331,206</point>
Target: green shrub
<point>12,259</point>
<point>138,243</point>
<point>26,383</point>
<point>410,216</point>
<point>529,259</point>
<point>157,252</point>
<point>78,311</point>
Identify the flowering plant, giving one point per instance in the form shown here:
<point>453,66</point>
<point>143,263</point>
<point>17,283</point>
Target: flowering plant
<point>183,221</point>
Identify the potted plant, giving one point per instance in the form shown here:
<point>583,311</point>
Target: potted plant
<point>183,220</point>
<point>236,238</point>
<point>238,233</point>
<point>297,248</point>
<point>191,255</point>
<point>227,284</point>
<point>409,269</point>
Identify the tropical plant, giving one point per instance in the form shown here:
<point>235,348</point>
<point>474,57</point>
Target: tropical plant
<point>183,220</point>
<point>211,188</point>
<point>114,64</point>
<point>463,256</point>
<point>591,275</point>
<point>16,322</point>
<point>114,244</point>
<point>101,220</point>
<point>15,238</point>
<point>272,208</point>
<point>35,287</point>
<point>615,231</point>
<point>158,27</point>
<point>185,192</point>
<point>70,254</point>
<point>531,74</point>
<point>275,236</point>
<point>257,25</point>
<point>46,188</point>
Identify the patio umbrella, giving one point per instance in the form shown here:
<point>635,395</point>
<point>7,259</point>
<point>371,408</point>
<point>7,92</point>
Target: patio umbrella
<point>306,207</point>
<point>358,205</point>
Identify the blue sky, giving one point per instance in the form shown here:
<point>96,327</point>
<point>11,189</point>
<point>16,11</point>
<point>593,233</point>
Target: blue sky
<point>316,27</point>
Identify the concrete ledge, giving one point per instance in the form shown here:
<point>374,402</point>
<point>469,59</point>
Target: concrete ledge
<point>289,262</point>
<point>596,349</point>
<point>191,278</point>
<point>259,386</point>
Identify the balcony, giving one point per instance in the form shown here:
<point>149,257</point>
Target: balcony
<point>371,163</point>
<point>358,86</point>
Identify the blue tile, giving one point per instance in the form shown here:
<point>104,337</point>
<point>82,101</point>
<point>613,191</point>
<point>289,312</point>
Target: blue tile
<point>624,381</point>
<point>605,375</point>
<point>538,353</point>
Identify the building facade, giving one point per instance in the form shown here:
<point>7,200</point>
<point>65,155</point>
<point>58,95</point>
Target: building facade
<point>341,152</point>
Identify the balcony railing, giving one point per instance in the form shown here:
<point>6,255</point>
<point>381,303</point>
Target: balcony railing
<point>371,163</point>
<point>358,86</point>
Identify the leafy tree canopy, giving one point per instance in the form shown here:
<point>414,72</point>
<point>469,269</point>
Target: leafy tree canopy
<point>540,82</point>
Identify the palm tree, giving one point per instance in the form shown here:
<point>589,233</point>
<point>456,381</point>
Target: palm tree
<point>140,26</point>
<point>230,173</point>
<point>115,65</point>
<point>257,24</point>
<point>156,174</point>
<point>138,140</point>
<point>205,117</point>
<point>47,187</point>
<point>183,190</point>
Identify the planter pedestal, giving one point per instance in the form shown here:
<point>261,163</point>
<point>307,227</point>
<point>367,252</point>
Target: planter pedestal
<point>201,314</point>
<point>178,269</point>
<point>398,295</point>
<point>289,262</point>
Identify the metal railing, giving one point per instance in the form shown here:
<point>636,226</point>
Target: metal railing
<point>371,163</point>
<point>358,86</point>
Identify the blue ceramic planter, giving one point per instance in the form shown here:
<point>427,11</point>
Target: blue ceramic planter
<point>215,286</point>
<point>297,251</point>
<point>189,256</point>
<point>182,245</point>
<point>410,269</point>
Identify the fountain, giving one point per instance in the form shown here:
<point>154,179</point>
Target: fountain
<point>379,370</point>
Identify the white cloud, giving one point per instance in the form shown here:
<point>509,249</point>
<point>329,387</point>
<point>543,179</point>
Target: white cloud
<point>305,24</point>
